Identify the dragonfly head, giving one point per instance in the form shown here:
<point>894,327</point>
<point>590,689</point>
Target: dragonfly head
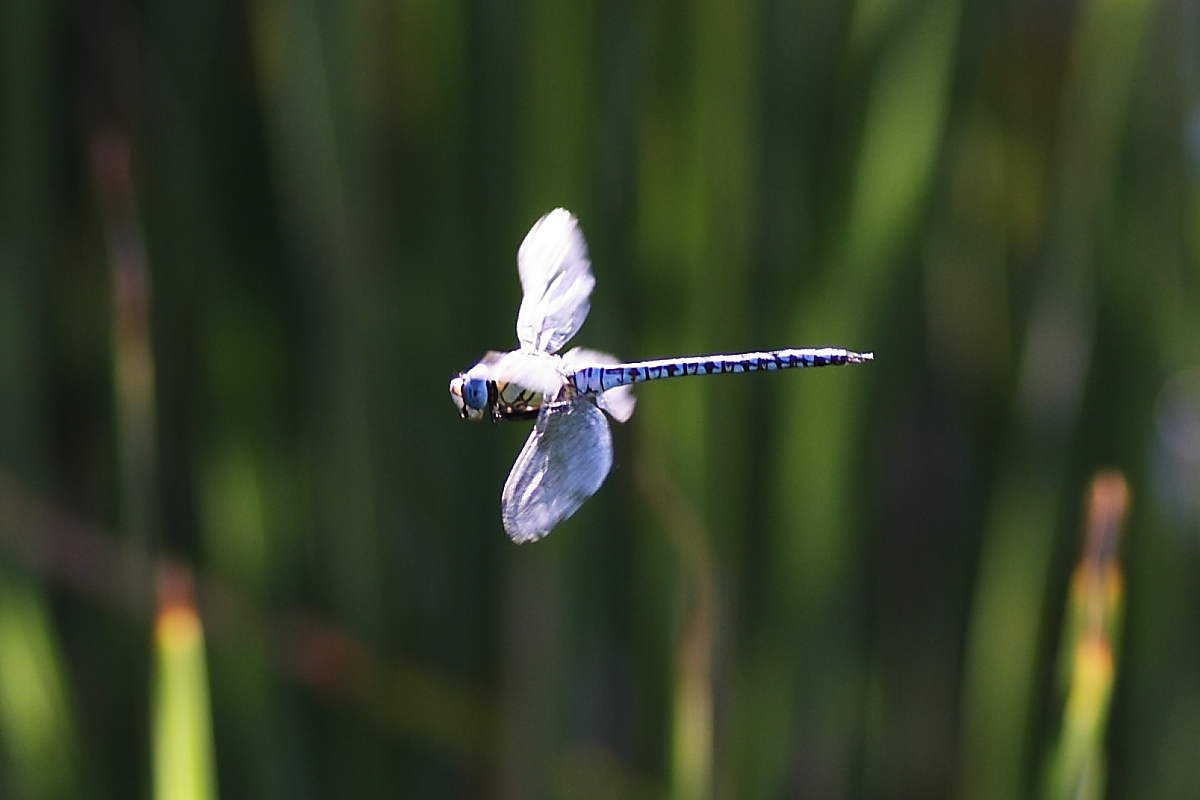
<point>471,394</point>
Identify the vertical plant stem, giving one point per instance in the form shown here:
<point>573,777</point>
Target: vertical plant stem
<point>133,357</point>
<point>184,766</point>
<point>692,695</point>
<point>1076,768</point>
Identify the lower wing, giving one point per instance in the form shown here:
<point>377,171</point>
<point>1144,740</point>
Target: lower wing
<point>563,463</point>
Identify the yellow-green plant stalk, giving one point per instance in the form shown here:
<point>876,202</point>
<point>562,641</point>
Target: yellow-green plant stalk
<point>183,747</point>
<point>1076,768</point>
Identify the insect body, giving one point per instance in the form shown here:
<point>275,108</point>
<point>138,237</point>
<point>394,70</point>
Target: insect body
<point>569,453</point>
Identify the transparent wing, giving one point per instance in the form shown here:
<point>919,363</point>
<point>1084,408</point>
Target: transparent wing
<point>619,401</point>
<point>492,357</point>
<point>556,277</point>
<point>537,371</point>
<point>564,461</point>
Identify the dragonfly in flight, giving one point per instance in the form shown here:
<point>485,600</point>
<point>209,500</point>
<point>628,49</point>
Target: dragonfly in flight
<point>569,452</point>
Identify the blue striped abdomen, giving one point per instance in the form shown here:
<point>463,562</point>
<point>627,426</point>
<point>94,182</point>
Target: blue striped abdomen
<point>602,377</point>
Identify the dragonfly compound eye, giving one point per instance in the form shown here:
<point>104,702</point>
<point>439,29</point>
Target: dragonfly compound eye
<point>475,393</point>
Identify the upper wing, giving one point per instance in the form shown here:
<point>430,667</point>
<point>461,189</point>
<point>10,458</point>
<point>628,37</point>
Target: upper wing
<point>564,461</point>
<point>557,279</point>
<point>617,401</point>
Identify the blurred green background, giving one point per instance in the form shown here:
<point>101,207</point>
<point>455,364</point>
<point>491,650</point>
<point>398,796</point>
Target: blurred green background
<point>248,549</point>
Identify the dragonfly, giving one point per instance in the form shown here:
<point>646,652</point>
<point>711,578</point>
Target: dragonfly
<point>569,452</point>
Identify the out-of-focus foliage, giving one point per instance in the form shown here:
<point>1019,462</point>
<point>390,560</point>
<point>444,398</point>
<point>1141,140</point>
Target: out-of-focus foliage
<point>243,247</point>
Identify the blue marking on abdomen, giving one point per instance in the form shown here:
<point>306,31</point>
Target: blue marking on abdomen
<point>597,379</point>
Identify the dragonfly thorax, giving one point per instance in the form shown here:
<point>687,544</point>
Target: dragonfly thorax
<point>516,402</point>
<point>477,396</point>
